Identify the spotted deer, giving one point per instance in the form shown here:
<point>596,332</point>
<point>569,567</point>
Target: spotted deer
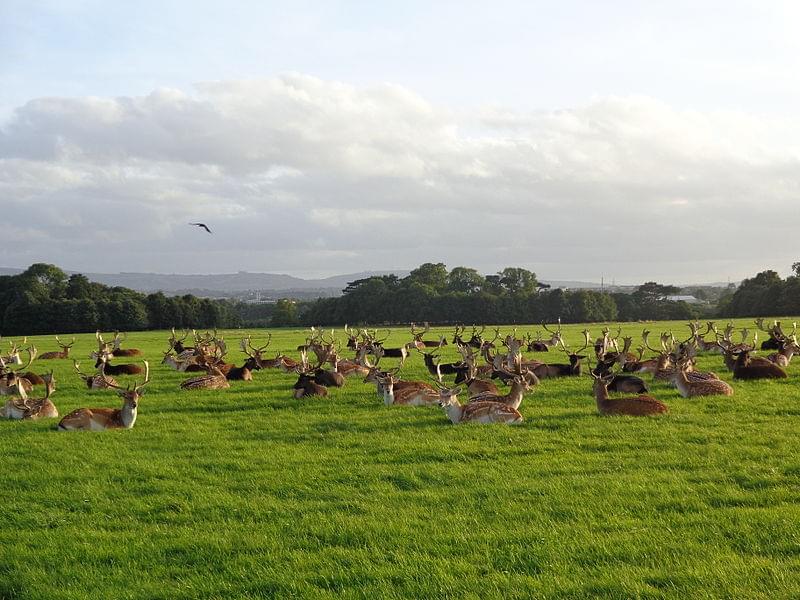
<point>101,419</point>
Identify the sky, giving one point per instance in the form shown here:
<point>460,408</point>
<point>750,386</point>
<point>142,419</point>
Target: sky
<point>627,140</point>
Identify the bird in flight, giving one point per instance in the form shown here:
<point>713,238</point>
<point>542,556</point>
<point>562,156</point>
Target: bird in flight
<point>203,225</point>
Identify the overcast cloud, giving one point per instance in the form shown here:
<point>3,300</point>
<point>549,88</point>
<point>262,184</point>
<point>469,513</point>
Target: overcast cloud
<point>309,174</point>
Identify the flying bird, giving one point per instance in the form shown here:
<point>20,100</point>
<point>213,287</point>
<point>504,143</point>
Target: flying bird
<point>203,225</point>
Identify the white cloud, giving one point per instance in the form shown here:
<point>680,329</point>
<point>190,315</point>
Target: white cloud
<point>298,174</point>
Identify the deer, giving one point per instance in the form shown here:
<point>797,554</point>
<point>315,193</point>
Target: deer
<point>124,369</point>
<point>618,382</point>
<point>214,379</point>
<point>776,335</point>
<point>745,368</point>
<point>555,336</point>
<point>573,369</point>
<point>407,395</point>
<point>783,357</point>
<point>95,382</point>
<point>31,408</point>
<point>476,341</point>
<point>13,357</point>
<point>484,411</point>
<point>306,385</point>
<point>12,381</point>
<point>699,338</point>
<point>63,353</point>
<point>401,352</point>
<point>691,387</point>
<point>117,342</point>
<point>176,343</point>
<point>188,364</point>
<point>323,376</point>
<point>101,419</point>
<point>421,344</point>
<point>438,369</point>
<point>513,398</point>
<point>635,406</point>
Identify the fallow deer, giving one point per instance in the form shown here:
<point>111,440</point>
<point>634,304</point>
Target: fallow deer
<point>100,419</point>
<point>117,342</point>
<point>408,395</point>
<point>617,382</point>
<point>95,382</point>
<point>31,408</point>
<point>572,369</point>
<point>421,344</point>
<point>783,357</point>
<point>123,369</point>
<point>691,387</point>
<point>476,412</point>
<point>636,406</point>
<point>63,353</point>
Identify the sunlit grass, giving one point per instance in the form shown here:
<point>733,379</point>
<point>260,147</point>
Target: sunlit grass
<point>248,492</point>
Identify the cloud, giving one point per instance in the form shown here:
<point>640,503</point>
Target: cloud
<point>298,174</point>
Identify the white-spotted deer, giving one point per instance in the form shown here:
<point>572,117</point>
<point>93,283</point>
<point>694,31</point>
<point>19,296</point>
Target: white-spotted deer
<point>31,408</point>
<point>476,412</point>
<point>101,419</point>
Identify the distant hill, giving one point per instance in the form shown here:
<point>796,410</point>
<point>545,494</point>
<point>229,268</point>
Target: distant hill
<point>272,284</point>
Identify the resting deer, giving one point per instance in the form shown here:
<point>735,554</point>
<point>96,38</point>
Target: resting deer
<point>214,379</point>
<point>421,344</point>
<point>406,396</point>
<point>117,342</point>
<point>636,406</point>
<point>476,412</point>
<point>63,353</point>
<point>95,382</point>
<point>31,408</point>
<point>573,369</point>
<point>100,419</point>
<point>12,381</point>
<point>690,387</point>
<point>617,382</point>
<point>783,357</point>
<point>124,369</point>
<point>13,357</point>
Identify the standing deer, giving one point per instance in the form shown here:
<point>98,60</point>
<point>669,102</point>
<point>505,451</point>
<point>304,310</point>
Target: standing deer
<point>100,419</point>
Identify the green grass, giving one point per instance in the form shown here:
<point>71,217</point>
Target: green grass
<point>249,493</point>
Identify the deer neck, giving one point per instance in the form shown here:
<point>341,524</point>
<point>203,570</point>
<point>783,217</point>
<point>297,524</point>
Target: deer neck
<point>600,394</point>
<point>455,411</point>
<point>128,415</point>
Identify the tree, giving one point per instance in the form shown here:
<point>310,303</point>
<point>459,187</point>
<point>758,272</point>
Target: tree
<point>285,313</point>
<point>434,275</point>
<point>796,269</point>
<point>465,280</point>
<point>515,280</point>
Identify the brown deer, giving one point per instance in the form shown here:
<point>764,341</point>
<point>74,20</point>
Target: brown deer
<point>117,342</point>
<point>63,353</point>
<point>635,406</point>
<point>421,344</point>
<point>306,384</point>
<point>11,380</point>
<point>783,357</point>
<point>100,419</point>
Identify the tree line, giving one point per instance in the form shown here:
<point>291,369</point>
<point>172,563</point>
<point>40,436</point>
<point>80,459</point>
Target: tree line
<point>43,299</point>
<point>462,295</point>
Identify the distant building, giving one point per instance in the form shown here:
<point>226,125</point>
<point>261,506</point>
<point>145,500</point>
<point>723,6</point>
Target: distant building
<point>687,299</point>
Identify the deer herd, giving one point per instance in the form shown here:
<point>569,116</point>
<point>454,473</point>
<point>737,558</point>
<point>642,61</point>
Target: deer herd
<point>484,365</point>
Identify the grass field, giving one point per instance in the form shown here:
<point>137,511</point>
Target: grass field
<point>249,493</point>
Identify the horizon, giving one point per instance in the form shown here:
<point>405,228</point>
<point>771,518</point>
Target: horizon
<point>636,143</point>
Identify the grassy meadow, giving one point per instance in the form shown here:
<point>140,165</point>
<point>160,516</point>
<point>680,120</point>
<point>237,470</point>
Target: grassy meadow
<point>249,493</point>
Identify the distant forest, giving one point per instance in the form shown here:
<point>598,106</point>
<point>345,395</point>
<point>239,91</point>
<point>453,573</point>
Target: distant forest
<point>43,299</point>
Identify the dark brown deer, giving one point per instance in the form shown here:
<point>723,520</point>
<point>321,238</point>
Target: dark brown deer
<point>306,384</point>
<point>124,369</point>
<point>573,369</point>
